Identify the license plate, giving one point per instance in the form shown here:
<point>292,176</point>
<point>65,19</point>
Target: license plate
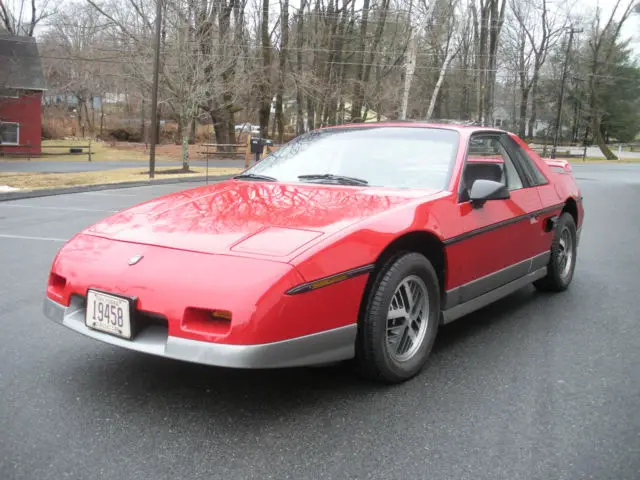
<point>108,313</point>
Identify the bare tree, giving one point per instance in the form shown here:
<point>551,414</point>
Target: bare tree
<point>76,43</point>
<point>447,35</point>
<point>533,32</point>
<point>21,17</point>
<point>228,60</point>
<point>488,19</point>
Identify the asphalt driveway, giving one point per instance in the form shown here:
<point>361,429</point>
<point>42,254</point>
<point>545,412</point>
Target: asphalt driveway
<point>536,387</point>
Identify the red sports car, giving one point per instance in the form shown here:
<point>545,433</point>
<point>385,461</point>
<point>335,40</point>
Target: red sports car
<point>351,242</point>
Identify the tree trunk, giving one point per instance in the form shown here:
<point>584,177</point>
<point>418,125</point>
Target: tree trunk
<point>299,45</point>
<point>101,116</point>
<point>522,121</point>
<point>80,116</point>
<point>231,131</point>
<point>597,130</point>
<point>89,122</point>
<point>576,121</point>
<point>482,29</point>
<point>93,111</point>
<point>265,95</point>
<point>179,135</point>
<point>358,88</point>
<point>185,151</point>
<point>220,125</point>
<point>142,121</point>
<point>311,113</point>
<point>497,20</point>
<point>284,43</point>
<point>337,74</point>
<point>332,18</point>
<point>436,90</point>
<point>534,110</point>
<point>192,133</point>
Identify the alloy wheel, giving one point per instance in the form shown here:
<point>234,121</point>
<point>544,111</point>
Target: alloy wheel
<point>565,253</point>
<point>407,318</point>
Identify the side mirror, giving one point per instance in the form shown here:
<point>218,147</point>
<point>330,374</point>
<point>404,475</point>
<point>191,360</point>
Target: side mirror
<point>483,190</point>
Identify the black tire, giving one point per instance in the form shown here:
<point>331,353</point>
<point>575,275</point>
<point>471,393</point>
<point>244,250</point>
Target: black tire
<point>374,360</point>
<point>558,278</point>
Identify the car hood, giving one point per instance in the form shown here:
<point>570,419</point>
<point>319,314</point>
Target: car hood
<point>256,218</point>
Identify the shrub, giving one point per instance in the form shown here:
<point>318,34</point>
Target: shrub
<point>125,135</point>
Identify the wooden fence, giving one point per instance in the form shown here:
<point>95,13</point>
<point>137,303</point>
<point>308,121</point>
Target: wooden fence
<point>71,150</point>
<point>234,150</point>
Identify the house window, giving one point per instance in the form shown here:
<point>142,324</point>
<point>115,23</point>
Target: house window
<point>9,133</point>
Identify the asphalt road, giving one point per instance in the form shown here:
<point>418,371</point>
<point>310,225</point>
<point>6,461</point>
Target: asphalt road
<point>69,167</point>
<point>537,387</point>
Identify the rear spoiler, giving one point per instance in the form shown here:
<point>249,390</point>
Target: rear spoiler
<point>558,165</point>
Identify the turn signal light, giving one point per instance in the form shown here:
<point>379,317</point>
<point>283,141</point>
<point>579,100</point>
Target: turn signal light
<point>221,315</point>
<point>203,320</point>
<point>328,281</point>
<point>55,286</point>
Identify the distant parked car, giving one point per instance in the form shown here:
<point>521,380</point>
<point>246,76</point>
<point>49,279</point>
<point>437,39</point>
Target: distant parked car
<point>247,127</point>
<point>353,242</point>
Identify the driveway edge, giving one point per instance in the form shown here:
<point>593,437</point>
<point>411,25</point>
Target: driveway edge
<point>18,195</point>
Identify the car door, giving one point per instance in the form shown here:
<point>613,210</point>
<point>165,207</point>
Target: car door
<point>494,245</point>
<point>551,202</point>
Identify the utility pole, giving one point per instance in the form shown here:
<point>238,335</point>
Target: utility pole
<point>154,92</point>
<point>572,31</point>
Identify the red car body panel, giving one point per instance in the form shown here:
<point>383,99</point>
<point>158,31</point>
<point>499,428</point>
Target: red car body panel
<point>241,246</point>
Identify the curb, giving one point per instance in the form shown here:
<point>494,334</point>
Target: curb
<point>18,195</point>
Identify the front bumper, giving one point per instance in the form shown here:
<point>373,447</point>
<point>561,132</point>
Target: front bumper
<point>326,347</point>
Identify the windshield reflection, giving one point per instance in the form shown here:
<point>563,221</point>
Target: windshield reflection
<point>391,157</point>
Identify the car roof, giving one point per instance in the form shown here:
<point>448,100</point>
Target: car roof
<point>460,126</point>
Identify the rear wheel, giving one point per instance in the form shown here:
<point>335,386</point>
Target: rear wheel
<point>400,321</point>
<point>563,256</point>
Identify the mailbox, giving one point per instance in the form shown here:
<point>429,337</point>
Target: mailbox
<point>257,146</point>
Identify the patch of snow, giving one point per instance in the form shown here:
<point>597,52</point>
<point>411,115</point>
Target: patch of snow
<point>7,188</point>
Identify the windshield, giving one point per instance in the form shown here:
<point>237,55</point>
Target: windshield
<point>395,157</point>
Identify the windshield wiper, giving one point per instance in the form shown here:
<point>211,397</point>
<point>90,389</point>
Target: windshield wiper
<point>337,178</point>
<point>254,176</point>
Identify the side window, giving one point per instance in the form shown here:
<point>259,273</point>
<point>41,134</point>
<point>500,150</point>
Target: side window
<point>514,180</point>
<point>536,177</point>
<point>488,159</point>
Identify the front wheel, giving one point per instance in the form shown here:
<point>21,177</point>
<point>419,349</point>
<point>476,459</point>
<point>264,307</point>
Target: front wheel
<point>563,256</point>
<point>400,321</point>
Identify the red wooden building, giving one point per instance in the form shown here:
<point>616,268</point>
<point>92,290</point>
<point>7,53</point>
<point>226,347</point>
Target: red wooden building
<point>21,85</point>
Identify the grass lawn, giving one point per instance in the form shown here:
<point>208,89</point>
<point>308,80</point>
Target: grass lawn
<point>118,152</point>
<point>100,152</point>
<point>34,181</point>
